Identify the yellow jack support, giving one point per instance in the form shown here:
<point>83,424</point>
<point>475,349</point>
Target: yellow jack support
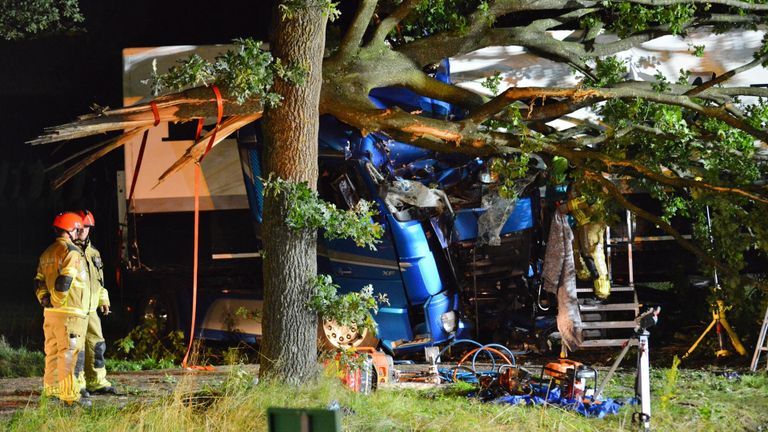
<point>718,318</point>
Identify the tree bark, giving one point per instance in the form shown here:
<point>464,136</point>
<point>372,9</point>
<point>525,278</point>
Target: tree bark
<point>289,346</point>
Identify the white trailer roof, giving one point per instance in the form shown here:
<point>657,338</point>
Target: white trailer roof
<point>222,184</point>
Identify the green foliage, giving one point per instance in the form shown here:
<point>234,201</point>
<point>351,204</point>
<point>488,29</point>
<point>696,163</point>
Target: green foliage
<point>694,145</point>
<point>698,50</point>
<point>493,82</point>
<point>670,384</point>
<point>244,72</point>
<point>661,85</point>
<point>433,16</point>
<point>245,313</point>
<point>290,8</point>
<point>29,18</point>
<point>308,211</point>
<point>625,18</point>
<point>150,340</point>
<point>352,309</point>
<point>608,71</point>
<point>19,362</point>
<point>508,170</point>
<point>763,50</point>
<point>340,361</point>
<point>147,363</point>
<point>233,356</point>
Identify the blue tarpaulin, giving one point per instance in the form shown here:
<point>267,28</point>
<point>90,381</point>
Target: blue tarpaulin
<point>587,409</point>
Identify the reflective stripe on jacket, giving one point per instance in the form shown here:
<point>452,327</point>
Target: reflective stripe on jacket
<point>62,273</point>
<point>99,295</point>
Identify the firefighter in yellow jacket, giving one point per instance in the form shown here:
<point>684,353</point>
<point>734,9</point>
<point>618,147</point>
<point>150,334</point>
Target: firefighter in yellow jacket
<point>62,286</point>
<point>91,371</point>
<point>589,233</point>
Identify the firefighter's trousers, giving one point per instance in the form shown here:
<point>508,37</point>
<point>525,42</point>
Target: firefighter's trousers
<point>64,336</point>
<point>91,370</point>
<point>589,237</point>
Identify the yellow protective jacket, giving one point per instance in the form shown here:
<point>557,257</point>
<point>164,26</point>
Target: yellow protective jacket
<point>62,274</point>
<point>99,295</point>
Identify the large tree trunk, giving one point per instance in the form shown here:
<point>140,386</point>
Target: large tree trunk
<point>289,351</point>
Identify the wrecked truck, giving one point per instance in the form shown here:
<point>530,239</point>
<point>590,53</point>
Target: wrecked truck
<point>450,267</point>
<point>455,257</point>
<point>454,262</point>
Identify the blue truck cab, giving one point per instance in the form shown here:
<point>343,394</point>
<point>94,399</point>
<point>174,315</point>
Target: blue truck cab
<point>440,281</point>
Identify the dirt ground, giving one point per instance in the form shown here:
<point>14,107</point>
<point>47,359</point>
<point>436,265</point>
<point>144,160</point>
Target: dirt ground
<point>18,393</point>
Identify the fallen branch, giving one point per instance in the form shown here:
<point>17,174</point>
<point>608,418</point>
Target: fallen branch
<point>108,146</point>
<point>196,150</point>
<point>667,228</point>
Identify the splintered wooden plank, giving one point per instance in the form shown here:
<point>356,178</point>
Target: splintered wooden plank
<point>597,343</point>
<point>608,307</point>
<point>607,324</point>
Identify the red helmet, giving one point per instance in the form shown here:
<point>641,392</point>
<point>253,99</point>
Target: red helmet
<point>68,221</point>
<point>88,219</point>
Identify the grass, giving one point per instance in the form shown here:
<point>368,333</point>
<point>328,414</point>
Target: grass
<point>698,401</point>
<point>19,362</point>
<point>119,365</point>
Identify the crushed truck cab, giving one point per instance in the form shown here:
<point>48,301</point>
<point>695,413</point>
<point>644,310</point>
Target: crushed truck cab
<point>440,282</point>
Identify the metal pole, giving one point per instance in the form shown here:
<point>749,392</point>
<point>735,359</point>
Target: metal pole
<point>643,379</point>
<point>608,252</point>
<point>760,344</point>
<point>711,242</point>
<point>630,240</point>
<point>612,370</point>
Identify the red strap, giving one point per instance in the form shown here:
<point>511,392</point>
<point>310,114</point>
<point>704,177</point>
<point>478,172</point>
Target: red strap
<point>155,112</point>
<point>198,174</point>
<point>219,114</point>
<point>199,129</point>
<point>137,168</point>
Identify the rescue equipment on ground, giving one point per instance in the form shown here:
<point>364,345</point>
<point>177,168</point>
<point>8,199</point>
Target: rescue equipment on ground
<point>718,316</point>
<point>643,387</point>
<point>374,368</point>
<point>512,384</point>
<point>571,376</point>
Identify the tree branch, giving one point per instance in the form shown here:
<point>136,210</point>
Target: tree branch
<point>659,222</point>
<point>108,146</point>
<point>354,36</point>
<point>427,86</point>
<point>676,182</point>
<point>731,3</point>
<point>177,107</point>
<point>390,22</point>
<point>196,150</point>
<point>620,92</point>
<point>726,76</point>
<point>667,228</point>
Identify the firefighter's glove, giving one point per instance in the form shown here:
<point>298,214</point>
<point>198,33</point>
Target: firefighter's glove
<point>46,301</point>
<point>105,310</point>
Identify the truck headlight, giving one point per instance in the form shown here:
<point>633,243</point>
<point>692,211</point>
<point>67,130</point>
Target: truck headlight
<point>449,321</point>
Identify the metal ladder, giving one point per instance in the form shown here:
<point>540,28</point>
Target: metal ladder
<point>595,324</point>
<point>762,344</point>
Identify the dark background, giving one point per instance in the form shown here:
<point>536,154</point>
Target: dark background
<point>51,80</point>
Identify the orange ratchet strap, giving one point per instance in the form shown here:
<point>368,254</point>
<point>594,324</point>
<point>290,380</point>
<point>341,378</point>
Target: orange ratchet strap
<point>198,173</point>
<point>136,170</point>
